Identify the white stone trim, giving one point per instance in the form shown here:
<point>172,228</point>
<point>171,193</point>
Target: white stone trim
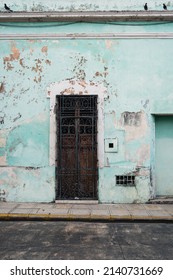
<point>118,35</point>
<point>76,87</point>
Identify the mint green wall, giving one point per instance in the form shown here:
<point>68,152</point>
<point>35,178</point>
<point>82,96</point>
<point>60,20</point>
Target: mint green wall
<point>138,76</point>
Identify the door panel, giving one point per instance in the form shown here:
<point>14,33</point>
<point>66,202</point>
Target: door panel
<point>77,147</point>
<point>164,155</point>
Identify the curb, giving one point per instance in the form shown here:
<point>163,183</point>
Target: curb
<point>86,218</point>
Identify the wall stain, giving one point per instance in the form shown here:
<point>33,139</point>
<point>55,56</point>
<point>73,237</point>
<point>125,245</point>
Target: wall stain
<point>21,62</point>
<point>15,55</point>
<point>47,61</point>
<point>131,118</point>
<point>17,117</point>
<point>2,88</point>
<point>108,44</point>
<point>146,103</point>
<point>82,83</point>
<point>68,90</point>
<point>37,79</point>
<point>1,120</point>
<point>38,68</point>
<point>97,74</point>
<point>2,195</point>
<point>102,74</point>
<point>32,168</point>
<point>78,69</point>
<point>8,66</point>
<point>2,117</point>
<point>44,49</point>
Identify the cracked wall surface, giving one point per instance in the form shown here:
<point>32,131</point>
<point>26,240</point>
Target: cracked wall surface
<point>138,78</point>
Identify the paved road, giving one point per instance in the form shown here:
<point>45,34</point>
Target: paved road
<point>80,240</point>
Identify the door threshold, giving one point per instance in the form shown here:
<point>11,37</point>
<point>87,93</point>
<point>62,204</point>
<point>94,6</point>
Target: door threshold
<point>77,201</point>
<point>161,200</point>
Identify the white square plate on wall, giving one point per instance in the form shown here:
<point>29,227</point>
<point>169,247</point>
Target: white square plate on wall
<point>111,145</point>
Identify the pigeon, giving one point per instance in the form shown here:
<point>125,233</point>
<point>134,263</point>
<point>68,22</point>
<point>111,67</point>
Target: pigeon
<point>145,7</point>
<point>164,7</point>
<point>7,8</point>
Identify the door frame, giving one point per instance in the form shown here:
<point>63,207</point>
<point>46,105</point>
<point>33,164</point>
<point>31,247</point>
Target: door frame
<point>77,87</point>
<point>154,142</point>
<point>154,114</point>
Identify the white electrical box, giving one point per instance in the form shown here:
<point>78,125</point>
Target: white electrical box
<point>111,145</point>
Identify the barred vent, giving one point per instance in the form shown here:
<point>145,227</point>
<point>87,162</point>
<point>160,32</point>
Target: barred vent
<point>125,180</point>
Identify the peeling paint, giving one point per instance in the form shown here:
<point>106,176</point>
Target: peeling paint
<point>3,161</point>
<point>143,154</point>
<point>48,61</point>
<point>146,103</point>
<point>1,120</point>
<point>2,117</point>
<point>15,55</point>
<point>2,142</point>
<point>108,44</point>
<point>44,49</point>
<point>131,118</point>
<point>135,124</point>
<point>17,117</point>
<point>2,88</point>
<point>38,67</point>
<point>25,185</point>
<point>7,65</point>
<point>33,72</point>
<point>2,195</point>
<point>22,63</point>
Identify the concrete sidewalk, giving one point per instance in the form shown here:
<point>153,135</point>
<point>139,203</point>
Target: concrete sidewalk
<point>85,211</point>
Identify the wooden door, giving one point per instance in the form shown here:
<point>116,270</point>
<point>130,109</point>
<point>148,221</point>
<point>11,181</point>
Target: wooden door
<point>77,147</point>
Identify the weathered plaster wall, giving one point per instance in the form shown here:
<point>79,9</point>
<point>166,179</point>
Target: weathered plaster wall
<point>136,74</point>
<point>82,5</point>
<point>24,134</point>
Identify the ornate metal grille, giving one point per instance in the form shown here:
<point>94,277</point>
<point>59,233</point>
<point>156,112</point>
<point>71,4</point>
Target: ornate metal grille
<point>77,147</point>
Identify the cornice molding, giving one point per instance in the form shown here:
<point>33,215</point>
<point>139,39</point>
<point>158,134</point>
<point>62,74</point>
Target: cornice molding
<point>112,16</point>
<point>54,36</point>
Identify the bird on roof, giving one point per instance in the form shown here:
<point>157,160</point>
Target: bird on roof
<point>145,7</point>
<point>7,8</point>
<point>164,7</point>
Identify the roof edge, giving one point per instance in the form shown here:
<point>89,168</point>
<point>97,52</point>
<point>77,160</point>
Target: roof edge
<point>112,16</point>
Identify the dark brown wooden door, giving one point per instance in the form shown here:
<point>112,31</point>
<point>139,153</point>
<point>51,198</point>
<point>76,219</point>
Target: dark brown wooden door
<point>77,147</point>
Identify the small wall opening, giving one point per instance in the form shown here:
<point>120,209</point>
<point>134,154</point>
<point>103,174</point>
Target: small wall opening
<point>122,180</point>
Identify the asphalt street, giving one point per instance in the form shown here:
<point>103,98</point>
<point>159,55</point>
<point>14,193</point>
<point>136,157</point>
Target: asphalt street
<point>62,240</point>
